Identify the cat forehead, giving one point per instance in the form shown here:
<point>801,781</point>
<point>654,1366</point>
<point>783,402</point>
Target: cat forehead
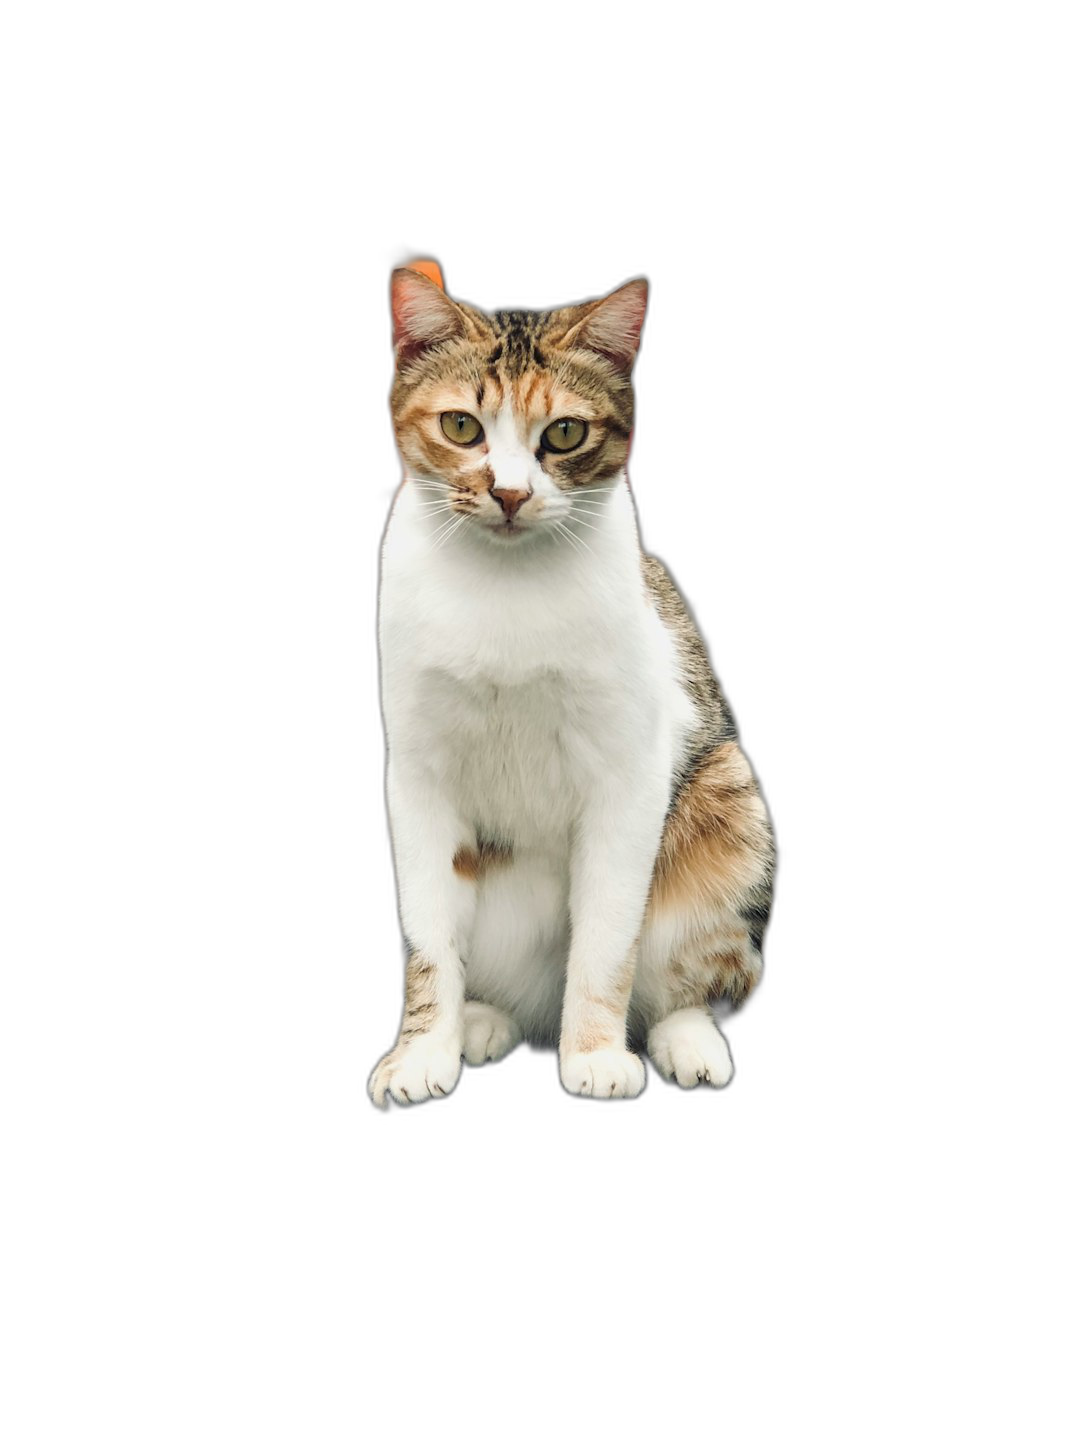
<point>531,394</point>
<point>520,322</point>
<point>522,359</point>
<point>518,337</point>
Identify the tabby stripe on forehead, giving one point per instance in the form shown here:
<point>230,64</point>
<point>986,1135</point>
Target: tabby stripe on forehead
<point>499,362</point>
<point>597,385</point>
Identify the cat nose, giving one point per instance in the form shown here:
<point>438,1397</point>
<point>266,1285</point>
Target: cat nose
<point>511,500</point>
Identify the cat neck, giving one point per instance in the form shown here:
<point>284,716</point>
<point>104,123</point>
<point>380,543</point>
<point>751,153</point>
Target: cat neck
<point>598,541</point>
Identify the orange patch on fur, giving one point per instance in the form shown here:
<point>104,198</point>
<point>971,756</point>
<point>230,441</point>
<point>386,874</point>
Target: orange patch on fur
<point>430,268</point>
<point>614,1004</point>
<point>599,1021</point>
<point>716,844</point>
<point>594,1034</point>
<point>472,862</point>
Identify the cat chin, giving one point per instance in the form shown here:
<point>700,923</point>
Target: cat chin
<point>504,537</point>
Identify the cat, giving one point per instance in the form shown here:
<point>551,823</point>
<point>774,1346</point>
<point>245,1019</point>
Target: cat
<point>583,855</point>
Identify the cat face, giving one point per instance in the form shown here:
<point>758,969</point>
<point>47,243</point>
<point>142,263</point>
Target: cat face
<point>510,420</point>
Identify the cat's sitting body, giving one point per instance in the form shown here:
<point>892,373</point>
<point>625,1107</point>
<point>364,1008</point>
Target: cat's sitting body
<point>581,849</point>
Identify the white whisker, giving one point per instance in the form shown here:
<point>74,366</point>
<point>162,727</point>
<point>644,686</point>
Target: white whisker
<point>439,488</point>
<point>452,531</point>
<point>444,526</point>
<point>579,521</point>
<point>576,539</point>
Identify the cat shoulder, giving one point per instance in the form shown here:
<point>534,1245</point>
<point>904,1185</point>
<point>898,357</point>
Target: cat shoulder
<point>696,672</point>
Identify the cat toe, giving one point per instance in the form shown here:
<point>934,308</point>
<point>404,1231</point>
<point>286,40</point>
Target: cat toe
<point>425,1068</point>
<point>687,1048</point>
<point>603,1074</point>
<point>489,1033</point>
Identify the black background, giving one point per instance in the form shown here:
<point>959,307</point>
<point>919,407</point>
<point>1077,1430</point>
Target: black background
<point>745,452</point>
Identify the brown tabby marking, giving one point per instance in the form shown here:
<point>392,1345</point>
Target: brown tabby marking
<point>716,846</point>
<point>534,358</point>
<point>711,888</point>
<point>421,1003</point>
<point>716,725</point>
<point>473,862</point>
<point>733,975</point>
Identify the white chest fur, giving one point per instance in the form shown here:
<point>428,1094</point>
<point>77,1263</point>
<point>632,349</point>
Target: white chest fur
<point>515,678</point>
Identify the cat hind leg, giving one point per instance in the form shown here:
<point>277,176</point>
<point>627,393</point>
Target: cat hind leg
<point>489,1032</point>
<point>707,912</point>
<point>687,1047</point>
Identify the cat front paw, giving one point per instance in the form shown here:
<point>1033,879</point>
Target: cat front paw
<point>425,1067</point>
<point>604,1074</point>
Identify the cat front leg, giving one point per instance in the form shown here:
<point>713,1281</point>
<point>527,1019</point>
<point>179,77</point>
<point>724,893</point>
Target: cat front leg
<point>437,906</point>
<point>611,867</point>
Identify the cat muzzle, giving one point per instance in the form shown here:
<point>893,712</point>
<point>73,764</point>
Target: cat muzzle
<point>511,501</point>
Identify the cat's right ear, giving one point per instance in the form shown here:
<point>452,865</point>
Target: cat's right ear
<point>423,314</point>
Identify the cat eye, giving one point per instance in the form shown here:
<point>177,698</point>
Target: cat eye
<point>461,428</point>
<point>563,435</point>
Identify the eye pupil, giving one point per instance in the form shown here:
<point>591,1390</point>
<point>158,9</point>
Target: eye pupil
<point>564,435</point>
<point>461,427</point>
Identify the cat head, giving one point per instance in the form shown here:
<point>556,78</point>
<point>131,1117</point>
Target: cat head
<point>518,421</point>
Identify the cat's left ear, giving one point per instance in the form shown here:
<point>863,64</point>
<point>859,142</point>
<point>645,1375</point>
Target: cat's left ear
<point>612,326</point>
<point>423,313</point>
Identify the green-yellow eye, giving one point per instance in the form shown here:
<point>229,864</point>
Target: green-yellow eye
<point>461,428</point>
<point>563,435</point>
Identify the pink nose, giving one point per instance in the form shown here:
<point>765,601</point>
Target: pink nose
<point>511,500</point>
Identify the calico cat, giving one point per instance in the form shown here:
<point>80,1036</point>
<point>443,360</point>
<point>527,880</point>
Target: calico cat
<point>582,853</point>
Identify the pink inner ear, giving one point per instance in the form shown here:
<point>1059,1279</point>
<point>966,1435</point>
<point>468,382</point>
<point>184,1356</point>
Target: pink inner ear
<point>614,327</point>
<point>422,314</point>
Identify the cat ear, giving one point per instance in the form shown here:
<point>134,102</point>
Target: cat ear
<point>423,313</point>
<point>612,326</point>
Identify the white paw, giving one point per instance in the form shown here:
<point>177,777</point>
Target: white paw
<point>606,1074</point>
<point>423,1068</point>
<point>489,1033</point>
<point>687,1047</point>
